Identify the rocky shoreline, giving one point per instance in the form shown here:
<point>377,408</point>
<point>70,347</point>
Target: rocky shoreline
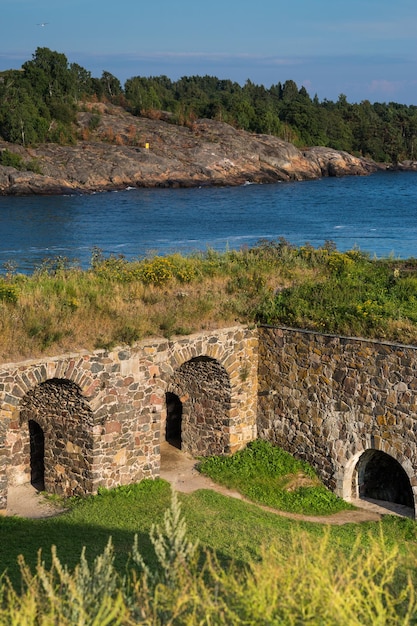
<point>116,150</point>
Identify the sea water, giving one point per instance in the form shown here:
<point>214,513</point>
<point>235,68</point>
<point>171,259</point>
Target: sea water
<point>376,213</point>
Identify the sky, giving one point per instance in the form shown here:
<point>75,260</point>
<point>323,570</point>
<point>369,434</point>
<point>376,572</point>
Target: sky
<point>364,49</point>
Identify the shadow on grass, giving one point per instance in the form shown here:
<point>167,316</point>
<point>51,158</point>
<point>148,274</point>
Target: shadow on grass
<point>235,530</point>
<point>119,513</point>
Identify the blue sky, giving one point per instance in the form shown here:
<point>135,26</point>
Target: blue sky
<point>365,49</point>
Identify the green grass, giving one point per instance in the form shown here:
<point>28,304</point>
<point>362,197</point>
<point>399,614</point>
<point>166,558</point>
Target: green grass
<point>234,529</point>
<point>90,521</point>
<point>269,475</point>
<point>252,566</point>
<point>353,295</point>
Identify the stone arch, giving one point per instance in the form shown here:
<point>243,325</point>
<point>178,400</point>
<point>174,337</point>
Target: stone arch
<point>58,409</point>
<point>379,475</point>
<point>24,379</point>
<point>202,385</point>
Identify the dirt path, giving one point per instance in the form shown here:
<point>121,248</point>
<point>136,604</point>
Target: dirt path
<point>179,469</point>
<point>26,501</point>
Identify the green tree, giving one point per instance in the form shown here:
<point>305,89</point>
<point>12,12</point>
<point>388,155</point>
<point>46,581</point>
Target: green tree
<point>81,80</point>
<point>142,95</point>
<point>49,75</point>
<point>111,85</point>
<point>20,118</point>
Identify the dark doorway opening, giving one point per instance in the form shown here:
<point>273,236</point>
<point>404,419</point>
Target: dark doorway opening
<point>37,456</point>
<point>174,420</point>
<point>381,477</point>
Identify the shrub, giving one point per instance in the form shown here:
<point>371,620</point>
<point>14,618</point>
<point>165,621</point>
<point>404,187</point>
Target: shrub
<point>173,551</point>
<point>34,166</point>
<point>8,292</point>
<point>11,159</point>
<point>157,271</point>
<point>94,121</point>
<point>126,334</point>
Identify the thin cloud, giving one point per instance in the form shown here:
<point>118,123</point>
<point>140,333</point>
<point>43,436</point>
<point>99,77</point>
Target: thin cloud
<point>397,27</point>
<point>209,56</point>
<point>385,87</point>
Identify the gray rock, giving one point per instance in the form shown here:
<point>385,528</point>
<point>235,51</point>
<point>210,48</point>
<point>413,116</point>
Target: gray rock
<point>124,150</point>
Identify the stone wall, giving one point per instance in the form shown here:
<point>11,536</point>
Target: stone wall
<point>346,405</point>
<point>66,421</point>
<point>103,414</point>
<point>203,387</point>
<point>328,399</point>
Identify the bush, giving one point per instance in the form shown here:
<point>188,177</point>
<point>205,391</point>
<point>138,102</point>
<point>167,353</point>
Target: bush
<point>8,292</point>
<point>94,121</point>
<point>11,159</point>
<point>157,271</point>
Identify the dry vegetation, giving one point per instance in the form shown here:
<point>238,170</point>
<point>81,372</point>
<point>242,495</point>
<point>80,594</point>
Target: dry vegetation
<point>72,313</point>
<point>115,302</point>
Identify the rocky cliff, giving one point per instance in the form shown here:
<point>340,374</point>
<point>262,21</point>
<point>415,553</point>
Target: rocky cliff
<point>116,150</point>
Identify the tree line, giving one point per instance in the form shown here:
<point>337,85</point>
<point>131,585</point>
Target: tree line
<point>39,102</point>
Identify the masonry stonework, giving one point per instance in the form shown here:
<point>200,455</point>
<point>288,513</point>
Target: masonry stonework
<point>329,400</point>
<point>348,406</point>
<point>102,416</point>
<point>65,420</point>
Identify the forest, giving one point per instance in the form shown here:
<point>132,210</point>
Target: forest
<point>39,103</point>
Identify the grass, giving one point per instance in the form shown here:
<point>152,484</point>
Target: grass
<point>268,475</point>
<point>252,566</point>
<point>62,308</point>
<point>139,554</point>
<point>90,522</point>
<point>235,530</point>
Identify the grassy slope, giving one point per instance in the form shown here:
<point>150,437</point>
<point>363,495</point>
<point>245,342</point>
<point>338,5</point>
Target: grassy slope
<point>61,308</point>
<point>268,475</point>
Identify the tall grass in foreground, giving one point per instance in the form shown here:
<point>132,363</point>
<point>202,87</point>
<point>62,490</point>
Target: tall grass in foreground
<point>115,302</point>
<point>308,582</point>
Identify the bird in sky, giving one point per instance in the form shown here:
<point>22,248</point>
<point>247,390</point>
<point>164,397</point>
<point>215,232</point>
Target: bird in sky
<point>42,24</point>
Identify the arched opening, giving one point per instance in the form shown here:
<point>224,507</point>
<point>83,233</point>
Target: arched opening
<point>201,419</point>
<point>174,420</point>
<point>37,455</point>
<point>57,439</point>
<point>380,477</point>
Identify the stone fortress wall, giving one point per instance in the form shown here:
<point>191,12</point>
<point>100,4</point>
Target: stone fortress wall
<point>90,420</point>
<point>348,406</point>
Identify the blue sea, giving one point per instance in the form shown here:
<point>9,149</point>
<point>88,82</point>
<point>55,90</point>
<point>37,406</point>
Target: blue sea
<point>377,214</point>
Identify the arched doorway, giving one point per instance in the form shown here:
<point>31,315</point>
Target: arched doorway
<point>379,476</point>
<point>174,420</point>
<point>57,438</point>
<point>202,416</point>
<point>37,455</point>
